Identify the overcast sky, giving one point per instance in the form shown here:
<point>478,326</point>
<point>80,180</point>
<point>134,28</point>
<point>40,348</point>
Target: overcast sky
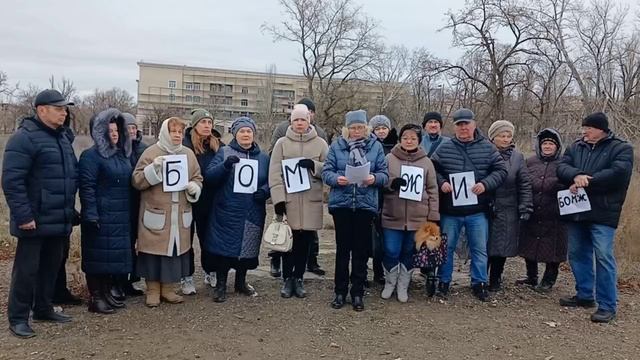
<point>97,43</point>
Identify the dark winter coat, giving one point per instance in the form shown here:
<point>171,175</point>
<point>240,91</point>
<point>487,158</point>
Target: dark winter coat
<point>544,237</point>
<point>137,148</point>
<point>610,163</point>
<point>202,208</point>
<point>512,199</point>
<point>235,231</point>
<point>105,177</point>
<point>389,142</point>
<point>40,179</point>
<point>351,196</point>
<point>487,164</point>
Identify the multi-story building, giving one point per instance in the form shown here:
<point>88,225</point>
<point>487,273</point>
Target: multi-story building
<point>176,90</point>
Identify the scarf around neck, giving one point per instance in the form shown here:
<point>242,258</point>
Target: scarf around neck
<point>357,154</point>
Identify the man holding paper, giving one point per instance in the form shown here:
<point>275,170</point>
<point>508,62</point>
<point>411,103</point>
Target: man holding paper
<point>469,169</point>
<point>601,164</point>
<point>295,180</point>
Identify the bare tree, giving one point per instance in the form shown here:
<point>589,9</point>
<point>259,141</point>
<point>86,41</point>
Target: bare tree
<point>266,114</point>
<point>337,41</point>
<point>115,97</point>
<point>153,120</point>
<point>65,86</point>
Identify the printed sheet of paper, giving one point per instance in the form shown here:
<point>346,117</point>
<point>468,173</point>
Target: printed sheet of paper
<point>245,180</point>
<point>296,179</point>
<point>462,184</point>
<point>414,176</point>
<point>175,173</point>
<point>573,203</point>
<point>357,174</point>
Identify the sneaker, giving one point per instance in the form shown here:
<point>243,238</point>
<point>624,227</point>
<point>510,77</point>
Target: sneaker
<point>603,316</point>
<point>187,286</point>
<point>210,279</point>
<point>247,290</point>
<point>575,302</point>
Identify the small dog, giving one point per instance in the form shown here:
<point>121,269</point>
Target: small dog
<point>428,234</point>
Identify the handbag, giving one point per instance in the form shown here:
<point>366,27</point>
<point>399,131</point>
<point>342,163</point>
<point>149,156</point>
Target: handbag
<point>278,236</point>
<point>430,259</point>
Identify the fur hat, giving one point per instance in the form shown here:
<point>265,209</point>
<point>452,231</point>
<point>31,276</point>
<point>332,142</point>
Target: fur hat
<point>356,117</point>
<point>499,126</point>
<point>597,120</point>
<point>380,120</point>
<point>242,122</point>
<point>300,111</point>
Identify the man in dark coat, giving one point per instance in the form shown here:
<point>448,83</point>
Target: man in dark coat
<point>432,132</point>
<point>40,180</point>
<point>314,248</point>
<point>468,151</point>
<point>601,164</point>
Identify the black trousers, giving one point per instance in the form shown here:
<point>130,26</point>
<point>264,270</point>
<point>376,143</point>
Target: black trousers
<point>495,266</point>
<point>60,290</point>
<point>294,263</point>
<point>314,250</point>
<point>550,271</point>
<point>33,278</point>
<point>377,248</point>
<point>353,241</point>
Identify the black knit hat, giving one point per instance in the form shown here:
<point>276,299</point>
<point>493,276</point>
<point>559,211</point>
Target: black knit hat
<point>432,115</point>
<point>414,128</point>
<point>310,105</point>
<point>597,120</point>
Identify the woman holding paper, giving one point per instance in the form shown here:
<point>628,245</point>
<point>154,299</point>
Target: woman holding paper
<point>105,175</point>
<point>512,204</point>
<point>240,172</point>
<point>406,208</point>
<point>204,140</point>
<point>544,236</point>
<point>296,161</point>
<point>353,202</point>
<point>165,211</point>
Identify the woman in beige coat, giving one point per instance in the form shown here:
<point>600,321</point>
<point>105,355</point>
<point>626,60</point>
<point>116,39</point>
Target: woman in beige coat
<point>402,217</point>
<point>165,217</point>
<point>303,209</point>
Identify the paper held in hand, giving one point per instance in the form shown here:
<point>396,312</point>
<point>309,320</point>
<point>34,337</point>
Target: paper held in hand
<point>462,184</point>
<point>175,173</point>
<point>245,177</point>
<point>414,176</point>
<point>573,203</point>
<point>296,178</point>
<point>357,174</point>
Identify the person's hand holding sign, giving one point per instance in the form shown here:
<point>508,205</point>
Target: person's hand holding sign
<point>478,188</point>
<point>306,164</point>
<point>157,165</point>
<point>370,180</point>
<point>397,183</point>
<point>192,188</point>
<point>228,162</point>
<point>343,181</point>
<point>446,188</point>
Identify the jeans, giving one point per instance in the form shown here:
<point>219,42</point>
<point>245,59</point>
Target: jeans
<point>35,269</point>
<point>585,241</point>
<point>477,230</point>
<point>398,248</point>
<point>353,241</point>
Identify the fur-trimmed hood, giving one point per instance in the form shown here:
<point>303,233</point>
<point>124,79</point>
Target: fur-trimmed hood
<point>549,133</point>
<point>100,133</point>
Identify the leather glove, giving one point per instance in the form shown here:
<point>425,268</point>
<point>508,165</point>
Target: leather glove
<point>260,195</point>
<point>306,164</point>
<point>228,163</point>
<point>280,208</point>
<point>91,225</point>
<point>397,183</point>
<point>192,188</point>
<point>525,216</point>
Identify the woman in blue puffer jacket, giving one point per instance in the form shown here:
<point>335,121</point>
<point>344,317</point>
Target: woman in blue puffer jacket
<point>353,206</point>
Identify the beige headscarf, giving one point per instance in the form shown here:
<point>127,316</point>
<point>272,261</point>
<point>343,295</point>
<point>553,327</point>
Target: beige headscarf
<point>164,139</point>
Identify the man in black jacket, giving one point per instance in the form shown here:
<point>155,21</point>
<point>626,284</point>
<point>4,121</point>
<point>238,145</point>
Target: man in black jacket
<point>39,179</point>
<point>601,164</point>
<point>468,151</point>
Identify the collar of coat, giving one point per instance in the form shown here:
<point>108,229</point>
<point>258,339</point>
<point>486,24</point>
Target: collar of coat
<point>478,136</point>
<point>34,123</point>
<point>403,155</point>
<point>308,136</point>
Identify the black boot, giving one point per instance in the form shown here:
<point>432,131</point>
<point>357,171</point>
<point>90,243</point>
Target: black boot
<point>97,302</point>
<point>532,274</point>
<point>480,291</point>
<point>548,279</point>
<point>106,286</point>
<point>314,267</point>
<point>275,265</point>
<point>287,288</point>
<point>241,286</point>
<point>496,267</point>
<point>443,290</point>
<point>116,289</point>
<point>298,288</point>
<point>127,286</point>
<point>220,291</point>
<point>431,282</point>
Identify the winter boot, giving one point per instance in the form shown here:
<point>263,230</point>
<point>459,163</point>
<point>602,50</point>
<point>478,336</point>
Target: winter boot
<point>431,281</point>
<point>106,282</point>
<point>153,293</point>
<point>97,302</point>
<point>241,286</point>
<point>390,282</point>
<point>220,291</point>
<point>298,288</point>
<point>287,288</point>
<point>443,290</point>
<point>168,294</point>
<point>117,292</point>
<point>404,278</point>
<point>480,291</point>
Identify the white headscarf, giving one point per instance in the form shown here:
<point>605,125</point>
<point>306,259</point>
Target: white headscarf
<point>164,139</point>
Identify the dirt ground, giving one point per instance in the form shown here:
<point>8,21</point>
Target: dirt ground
<point>517,324</point>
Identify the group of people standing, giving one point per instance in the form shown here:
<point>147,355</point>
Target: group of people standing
<point>135,222</point>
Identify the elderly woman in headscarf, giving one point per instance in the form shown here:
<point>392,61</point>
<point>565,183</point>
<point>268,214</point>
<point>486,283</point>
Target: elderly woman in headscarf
<point>544,236</point>
<point>165,216</point>
<point>512,203</point>
<point>105,175</point>
<point>353,205</point>
<point>236,221</point>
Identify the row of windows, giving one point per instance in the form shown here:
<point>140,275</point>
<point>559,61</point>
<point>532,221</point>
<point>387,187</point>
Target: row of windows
<point>219,88</point>
<point>216,100</point>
